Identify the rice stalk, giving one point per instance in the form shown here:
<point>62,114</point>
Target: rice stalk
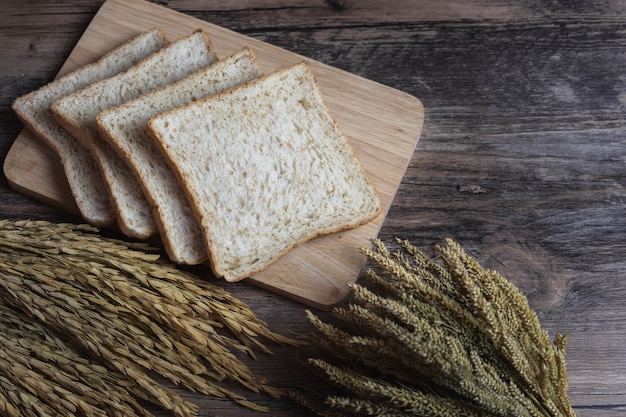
<point>83,310</point>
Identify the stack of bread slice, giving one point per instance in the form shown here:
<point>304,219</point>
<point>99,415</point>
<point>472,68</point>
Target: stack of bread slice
<point>224,163</point>
<point>35,111</point>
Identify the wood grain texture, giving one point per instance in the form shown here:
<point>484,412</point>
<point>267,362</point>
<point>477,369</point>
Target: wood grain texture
<point>522,157</point>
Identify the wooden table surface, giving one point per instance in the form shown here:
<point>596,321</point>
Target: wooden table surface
<point>522,157</point>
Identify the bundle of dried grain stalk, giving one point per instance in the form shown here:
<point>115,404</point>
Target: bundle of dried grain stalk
<point>431,339</point>
<point>85,320</point>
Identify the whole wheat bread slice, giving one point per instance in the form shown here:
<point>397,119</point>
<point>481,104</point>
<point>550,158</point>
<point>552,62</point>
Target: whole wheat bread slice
<point>124,127</point>
<point>77,113</point>
<point>265,168</point>
<point>34,109</point>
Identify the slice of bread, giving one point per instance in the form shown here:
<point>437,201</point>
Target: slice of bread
<point>266,168</point>
<point>34,109</point>
<point>77,113</point>
<point>124,127</point>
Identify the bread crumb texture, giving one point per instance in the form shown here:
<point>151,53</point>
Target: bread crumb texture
<point>266,168</point>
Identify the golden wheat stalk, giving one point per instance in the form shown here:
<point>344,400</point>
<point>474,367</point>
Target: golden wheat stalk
<point>437,339</point>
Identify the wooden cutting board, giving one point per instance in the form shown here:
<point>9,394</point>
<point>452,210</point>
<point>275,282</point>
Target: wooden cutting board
<point>382,124</point>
